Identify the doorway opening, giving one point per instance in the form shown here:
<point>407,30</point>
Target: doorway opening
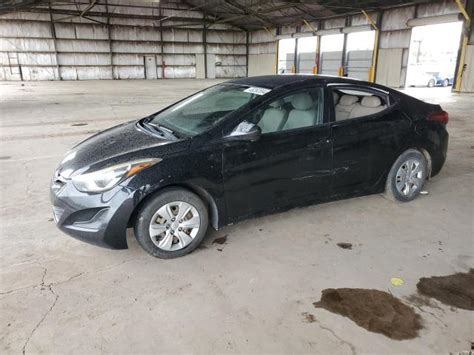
<point>359,49</point>
<point>433,54</point>
<point>331,54</point>
<point>286,55</point>
<point>306,54</point>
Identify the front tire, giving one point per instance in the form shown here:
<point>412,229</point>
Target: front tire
<point>171,224</point>
<point>445,82</point>
<point>407,176</point>
<point>431,83</point>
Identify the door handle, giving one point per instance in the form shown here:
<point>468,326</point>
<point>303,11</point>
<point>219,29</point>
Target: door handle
<point>319,144</point>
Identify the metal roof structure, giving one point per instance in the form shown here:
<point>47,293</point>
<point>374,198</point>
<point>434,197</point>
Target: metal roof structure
<point>255,14</point>
<point>244,14</point>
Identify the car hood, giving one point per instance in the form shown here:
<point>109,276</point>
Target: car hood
<point>119,144</point>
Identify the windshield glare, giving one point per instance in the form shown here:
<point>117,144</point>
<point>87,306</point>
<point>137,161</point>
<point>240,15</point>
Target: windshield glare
<point>205,109</point>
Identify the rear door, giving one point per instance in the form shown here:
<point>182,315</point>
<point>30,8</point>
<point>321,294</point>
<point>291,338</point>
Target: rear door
<point>290,164</point>
<point>365,145</point>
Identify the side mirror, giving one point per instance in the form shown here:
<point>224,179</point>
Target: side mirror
<point>245,131</point>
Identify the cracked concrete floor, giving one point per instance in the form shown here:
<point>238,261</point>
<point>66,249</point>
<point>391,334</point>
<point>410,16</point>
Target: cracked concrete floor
<point>59,295</point>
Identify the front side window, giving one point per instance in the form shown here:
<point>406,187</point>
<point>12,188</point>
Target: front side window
<point>296,110</point>
<point>351,103</point>
<point>202,111</point>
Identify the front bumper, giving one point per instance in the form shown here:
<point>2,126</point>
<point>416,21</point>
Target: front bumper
<point>100,219</point>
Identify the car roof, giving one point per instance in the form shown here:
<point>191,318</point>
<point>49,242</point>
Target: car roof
<point>275,81</point>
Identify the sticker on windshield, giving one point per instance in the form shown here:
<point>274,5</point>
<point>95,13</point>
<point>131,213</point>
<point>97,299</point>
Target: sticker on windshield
<point>257,91</point>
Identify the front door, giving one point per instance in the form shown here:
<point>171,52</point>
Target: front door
<point>289,165</point>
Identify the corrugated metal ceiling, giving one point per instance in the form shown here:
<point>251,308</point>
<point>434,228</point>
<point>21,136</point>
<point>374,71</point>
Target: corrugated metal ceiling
<point>247,14</point>
<point>254,14</point>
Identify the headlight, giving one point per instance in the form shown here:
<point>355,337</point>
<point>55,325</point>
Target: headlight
<point>105,179</point>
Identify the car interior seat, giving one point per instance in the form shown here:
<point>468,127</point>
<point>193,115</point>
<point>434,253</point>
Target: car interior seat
<point>303,113</point>
<point>368,106</point>
<point>344,107</point>
<point>274,117</point>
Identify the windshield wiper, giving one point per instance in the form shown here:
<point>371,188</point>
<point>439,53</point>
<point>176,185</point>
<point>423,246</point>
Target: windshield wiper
<point>161,130</point>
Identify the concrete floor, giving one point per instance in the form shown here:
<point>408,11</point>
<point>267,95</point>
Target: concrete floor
<point>59,295</point>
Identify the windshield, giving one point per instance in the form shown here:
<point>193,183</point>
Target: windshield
<point>205,109</point>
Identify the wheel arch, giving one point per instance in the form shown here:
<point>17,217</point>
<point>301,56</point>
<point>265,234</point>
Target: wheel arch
<point>427,155</point>
<point>201,192</point>
<point>422,150</point>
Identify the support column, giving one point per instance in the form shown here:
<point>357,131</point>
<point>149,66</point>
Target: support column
<point>53,35</point>
<point>466,33</point>
<point>247,53</point>
<point>204,43</point>
<point>109,38</point>
<point>161,43</point>
<point>375,50</point>
<point>342,69</point>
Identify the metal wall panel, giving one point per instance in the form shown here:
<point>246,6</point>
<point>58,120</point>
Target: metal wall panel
<point>396,19</point>
<point>262,64</point>
<point>26,45</point>
<point>24,29</point>
<point>39,73</point>
<point>84,49</point>
<point>388,69</point>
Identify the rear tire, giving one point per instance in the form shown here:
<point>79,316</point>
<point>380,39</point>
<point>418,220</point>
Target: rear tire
<point>431,83</point>
<point>407,176</point>
<point>445,82</point>
<point>171,224</point>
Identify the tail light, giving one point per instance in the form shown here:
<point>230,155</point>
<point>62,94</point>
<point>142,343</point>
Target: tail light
<point>439,116</point>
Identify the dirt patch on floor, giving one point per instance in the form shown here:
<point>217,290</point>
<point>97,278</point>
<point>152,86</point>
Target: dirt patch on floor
<point>308,317</point>
<point>220,240</point>
<point>454,290</point>
<point>345,245</point>
<point>374,310</point>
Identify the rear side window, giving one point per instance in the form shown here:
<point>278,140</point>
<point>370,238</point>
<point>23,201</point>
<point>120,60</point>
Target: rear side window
<point>353,103</point>
<point>299,109</point>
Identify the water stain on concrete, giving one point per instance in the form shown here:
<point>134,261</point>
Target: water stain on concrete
<point>79,124</point>
<point>220,240</point>
<point>345,245</point>
<point>5,157</point>
<point>453,290</point>
<point>377,311</point>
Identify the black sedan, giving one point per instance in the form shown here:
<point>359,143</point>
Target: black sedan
<point>241,149</point>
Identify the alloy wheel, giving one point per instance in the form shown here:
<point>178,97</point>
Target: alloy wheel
<point>409,178</point>
<point>174,225</point>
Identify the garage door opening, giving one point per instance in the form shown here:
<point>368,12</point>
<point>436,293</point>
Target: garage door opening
<point>331,54</point>
<point>433,54</point>
<point>359,48</point>
<point>306,54</point>
<point>286,55</point>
